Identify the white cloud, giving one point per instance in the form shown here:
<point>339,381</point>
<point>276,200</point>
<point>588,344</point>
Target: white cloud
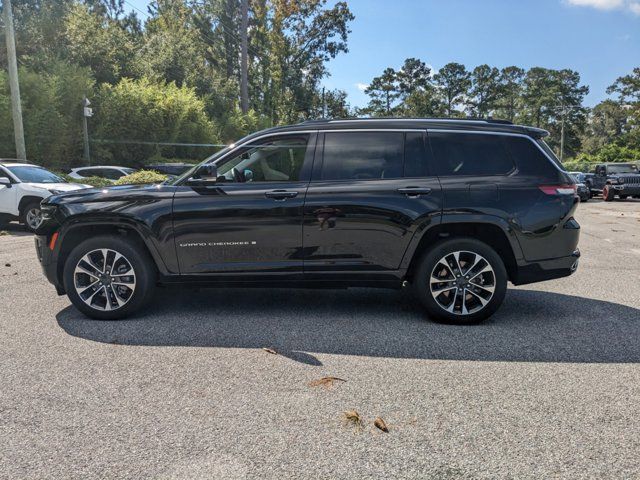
<point>632,6</point>
<point>362,86</point>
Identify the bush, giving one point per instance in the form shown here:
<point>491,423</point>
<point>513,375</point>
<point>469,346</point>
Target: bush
<point>97,182</point>
<point>51,111</point>
<point>134,114</point>
<point>141,177</point>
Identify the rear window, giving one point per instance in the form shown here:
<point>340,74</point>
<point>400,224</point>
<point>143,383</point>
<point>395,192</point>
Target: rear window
<point>529,158</point>
<point>362,155</point>
<point>469,154</point>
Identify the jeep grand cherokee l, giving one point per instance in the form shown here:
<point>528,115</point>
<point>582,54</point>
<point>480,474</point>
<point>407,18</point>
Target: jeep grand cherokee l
<point>454,208</point>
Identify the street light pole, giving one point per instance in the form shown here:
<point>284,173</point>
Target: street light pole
<point>14,85</point>
<point>86,112</point>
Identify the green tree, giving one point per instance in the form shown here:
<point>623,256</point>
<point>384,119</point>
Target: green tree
<point>510,92</point>
<point>102,44</point>
<point>485,90</point>
<point>384,91</point>
<point>452,82</point>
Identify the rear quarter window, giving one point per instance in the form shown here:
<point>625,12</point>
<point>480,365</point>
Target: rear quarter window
<point>529,158</point>
<point>478,154</point>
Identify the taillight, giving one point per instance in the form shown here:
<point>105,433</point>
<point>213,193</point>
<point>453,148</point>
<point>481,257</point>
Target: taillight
<point>559,189</point>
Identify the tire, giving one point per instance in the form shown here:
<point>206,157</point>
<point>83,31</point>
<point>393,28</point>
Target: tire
<point>31,216</point>
<point>469,251</point>
<point>128,295</point>
<point>4,219</point>
<point>608,193</point>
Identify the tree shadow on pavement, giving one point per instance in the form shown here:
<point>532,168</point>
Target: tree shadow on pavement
<point>531,326</point>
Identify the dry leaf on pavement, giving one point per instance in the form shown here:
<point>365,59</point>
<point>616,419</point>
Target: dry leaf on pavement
<point>270,350</point>
<point>326,382</point>
<point>381,424</point>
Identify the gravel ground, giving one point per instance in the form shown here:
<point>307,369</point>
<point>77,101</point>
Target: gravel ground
<point>548,388</point>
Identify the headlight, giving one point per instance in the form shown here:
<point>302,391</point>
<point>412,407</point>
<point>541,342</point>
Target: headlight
<point>47,211</point>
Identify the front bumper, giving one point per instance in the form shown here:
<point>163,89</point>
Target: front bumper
<point>542,270</point>
<point>627,189</point>
<point>48,261</point>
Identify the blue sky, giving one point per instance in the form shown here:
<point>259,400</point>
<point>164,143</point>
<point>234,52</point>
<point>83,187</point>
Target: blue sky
<point>598,38</point>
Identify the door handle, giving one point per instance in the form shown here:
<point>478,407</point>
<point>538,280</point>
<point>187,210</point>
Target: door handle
<point>281,194</point>
<point>414,191</point>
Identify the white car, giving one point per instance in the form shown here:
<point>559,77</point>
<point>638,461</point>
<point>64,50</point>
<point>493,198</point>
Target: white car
<point>22,188</point>
<point>109,172</point>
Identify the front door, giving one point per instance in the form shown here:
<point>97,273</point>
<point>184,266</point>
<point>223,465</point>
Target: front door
<point>250,219</point>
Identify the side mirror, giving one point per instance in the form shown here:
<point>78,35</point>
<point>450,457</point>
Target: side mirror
<point>205,173</point>
<point>5,181</point>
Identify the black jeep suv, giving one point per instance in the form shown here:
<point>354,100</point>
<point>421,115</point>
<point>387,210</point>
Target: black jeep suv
<point>454,208</point>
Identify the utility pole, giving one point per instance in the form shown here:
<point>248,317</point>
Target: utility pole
<point>562,135</point>
<point>244,74</point>
<point>324,105</point>
<point>14,85</point>
<point>86,113</point>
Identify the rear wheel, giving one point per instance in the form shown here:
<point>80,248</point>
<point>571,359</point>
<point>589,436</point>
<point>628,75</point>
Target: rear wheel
<point>109,277</point>
<point>461,281</point>
<point>608,193</point>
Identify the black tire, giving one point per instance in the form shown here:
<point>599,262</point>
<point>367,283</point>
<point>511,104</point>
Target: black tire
<point>422,280</point>
<point>608,193</point>
<point>135,255</point>
<point>29,207</point>
<point>4,219</point>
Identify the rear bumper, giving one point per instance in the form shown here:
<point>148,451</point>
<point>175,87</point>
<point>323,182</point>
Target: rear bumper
<point>549,269</point>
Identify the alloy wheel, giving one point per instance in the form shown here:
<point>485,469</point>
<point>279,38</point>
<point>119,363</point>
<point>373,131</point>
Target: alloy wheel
<point>462,282</point>
<point>104,279</point>
<point>33,218</point>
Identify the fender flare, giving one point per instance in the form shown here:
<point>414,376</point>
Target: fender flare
<point>508,229</point>
<point>140,229</point>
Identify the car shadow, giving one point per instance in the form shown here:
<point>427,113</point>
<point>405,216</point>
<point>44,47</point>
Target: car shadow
<point>531,326</point>
<point>15,229</point>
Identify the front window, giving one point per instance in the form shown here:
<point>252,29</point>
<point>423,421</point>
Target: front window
<point>624,168</point>
<point>272,160</point>
<point>29,174</point>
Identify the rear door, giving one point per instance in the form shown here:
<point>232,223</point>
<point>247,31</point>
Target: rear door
<point>250,220</point>
<point>369,192</point>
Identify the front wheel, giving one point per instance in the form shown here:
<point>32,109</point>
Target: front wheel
<point>608,193</point>
<point>31,216</point>
<point>461,281</point>
<point>109,277</point>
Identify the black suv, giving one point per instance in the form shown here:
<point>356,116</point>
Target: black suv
<point>454,208</point>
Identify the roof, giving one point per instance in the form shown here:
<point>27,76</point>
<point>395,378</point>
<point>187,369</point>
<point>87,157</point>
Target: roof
<point>15,163</point>
<point>440,123</point>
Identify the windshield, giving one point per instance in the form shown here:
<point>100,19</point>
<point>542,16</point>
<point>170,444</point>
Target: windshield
<point>35,175</point>
<point>625,168</point>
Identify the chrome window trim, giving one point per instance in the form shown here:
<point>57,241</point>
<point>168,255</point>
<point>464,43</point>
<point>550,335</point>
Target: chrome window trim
<point>508,134</point>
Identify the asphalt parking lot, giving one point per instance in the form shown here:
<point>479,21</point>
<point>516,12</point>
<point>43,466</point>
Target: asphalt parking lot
<point>548,388</point>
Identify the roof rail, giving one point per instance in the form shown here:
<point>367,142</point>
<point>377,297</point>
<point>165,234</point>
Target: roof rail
<point>401,119</point>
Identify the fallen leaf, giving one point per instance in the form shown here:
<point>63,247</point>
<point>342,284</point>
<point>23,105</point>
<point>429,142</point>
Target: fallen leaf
<point>381,424</point>
<point>352,418</point>
<point>8,265</point>
<point>3,233</point>
<point>326,382</point>
<point>270,350</point>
